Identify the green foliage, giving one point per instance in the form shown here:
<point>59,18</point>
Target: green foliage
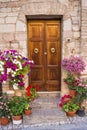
<point>4,106</point>
<point>69,80</point>
<point>70,106</point>
<point>16,105</point>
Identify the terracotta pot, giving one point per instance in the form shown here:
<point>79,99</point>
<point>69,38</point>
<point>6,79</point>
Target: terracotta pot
<point>4,121</point>
<point>28,112</point>
<point>72,92</point>
<point>71,113</point>
<point>17,117</point>
<point>32,98</point>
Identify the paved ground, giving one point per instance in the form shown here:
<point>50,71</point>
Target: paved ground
<point>48,116</point>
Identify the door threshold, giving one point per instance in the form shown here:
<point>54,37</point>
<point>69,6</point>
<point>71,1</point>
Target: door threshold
<point>49,94</point>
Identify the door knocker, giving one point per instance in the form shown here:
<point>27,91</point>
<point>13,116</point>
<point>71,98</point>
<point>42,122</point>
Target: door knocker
<point>52,50</point>
<point>36,50</point>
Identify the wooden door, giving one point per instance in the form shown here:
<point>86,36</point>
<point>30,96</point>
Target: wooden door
<point>44,49</point>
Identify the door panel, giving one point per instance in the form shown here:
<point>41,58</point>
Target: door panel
<point>44,49</point>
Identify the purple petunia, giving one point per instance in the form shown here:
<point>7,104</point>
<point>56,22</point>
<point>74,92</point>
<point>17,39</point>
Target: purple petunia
<point>74,64</point>
<point>14,67</point>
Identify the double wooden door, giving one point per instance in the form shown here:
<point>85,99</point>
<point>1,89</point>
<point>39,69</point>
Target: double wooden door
<point>44,49</point>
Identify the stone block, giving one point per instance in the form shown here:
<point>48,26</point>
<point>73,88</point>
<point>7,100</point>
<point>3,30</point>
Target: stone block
<point>5,0</point>
<point>23,44</point>
<point>21,36</point>
<point>65,2</point>
<point>76,35</point>
<point>74,13</point>
<point>2,15</point>
<point>76,28</point>
<point>4,46</point>
<point>0,37</point>
<point>67,25</point>
<point>2,20</point>
<point>20,26</point>
<point>13,14</point>
<point>6,28</point>
<point>84,2</point>
<point>16,9</point>
<point>14,45</point>
<point>11,19</point>
<point>67,34</point>
<point>5,10</point>
<point>8,36</point>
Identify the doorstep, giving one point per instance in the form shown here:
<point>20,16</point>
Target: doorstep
<point>45,111</point>
<point>50,94</point>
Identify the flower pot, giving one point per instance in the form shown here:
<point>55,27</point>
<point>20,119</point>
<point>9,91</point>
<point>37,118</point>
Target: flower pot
<point>71,113</point>
<point>72,92</point>
<point>17,119</point>
<point>4,121</point>
<point>81,112</point>
<point>28,112</point>
<point>17,122</point>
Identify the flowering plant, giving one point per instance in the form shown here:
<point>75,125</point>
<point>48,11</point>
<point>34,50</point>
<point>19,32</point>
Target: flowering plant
<point>14,66</point>
<point>4,106</point>
<point>67,103</point>
<point>73,64</point>
<point>74,82</point>
<point>64,100</point>
<point>31,92</point>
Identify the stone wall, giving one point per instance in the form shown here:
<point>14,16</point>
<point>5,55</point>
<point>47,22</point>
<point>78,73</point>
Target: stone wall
<point>83,48</point>
<point>13,25</point>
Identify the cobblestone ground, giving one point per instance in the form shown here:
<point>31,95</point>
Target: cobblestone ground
<point>47,116</point>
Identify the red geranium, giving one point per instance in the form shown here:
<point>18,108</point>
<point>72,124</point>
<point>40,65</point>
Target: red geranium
<point>64,100</point>
<point>37,88</point>
<point>28,93</point>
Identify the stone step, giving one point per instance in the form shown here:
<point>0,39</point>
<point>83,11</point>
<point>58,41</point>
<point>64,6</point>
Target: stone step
<point>49,94</point>
<point>45,103</point>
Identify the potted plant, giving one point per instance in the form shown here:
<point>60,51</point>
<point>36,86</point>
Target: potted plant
<point>31,92</point>
<point>81,111</point>
<point>74,66</point>
<point>69,106</point>
<point>27,107</point>
<point>14,67</point>
<point>4,110</point>
<point>16,106</point>
<point>79,98</point>
<point>70,81</point>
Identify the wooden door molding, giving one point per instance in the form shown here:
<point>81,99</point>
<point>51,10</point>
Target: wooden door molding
<point>44,49</point>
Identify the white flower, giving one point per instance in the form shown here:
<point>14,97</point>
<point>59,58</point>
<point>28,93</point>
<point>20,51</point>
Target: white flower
<point>2,72</point>
<point>8,70</point>
<point>15,86</point>
<point>1,68</point>
<point>19,64</point>
<point>1,62</point>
